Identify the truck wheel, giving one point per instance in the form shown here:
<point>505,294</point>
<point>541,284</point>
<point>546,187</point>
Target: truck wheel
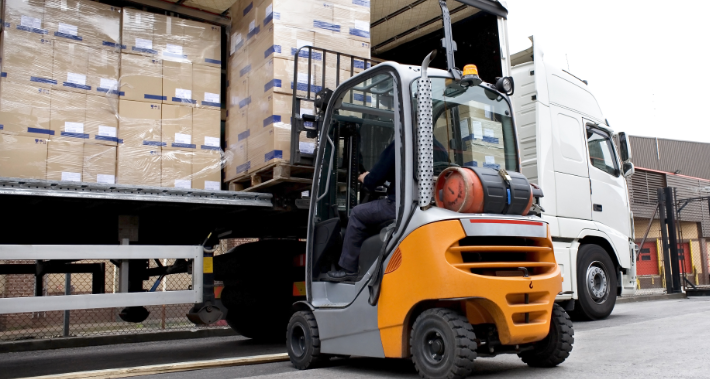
<point>555,348</point>
<point>302,342</point>
<point>254,314</point>
<point>596,283</point>
<point>442,344</point>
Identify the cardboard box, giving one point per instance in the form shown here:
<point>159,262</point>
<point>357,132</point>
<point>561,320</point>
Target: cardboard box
<point>235,127</point>
<point>354,22</point>
<point>237,94</point>
<point>168,38</point>
<point>177,83</point>
<point>138,165</point>
<point>212,46</point>
<point>68,116</point>
<point>206,129</point>
<point>270,144</point>
<point>27,58</point>
<point>25,109</point>
<point>141,78</point>
<point>137,33</point>
<point>192,36</point>
<point>276,75</point>
<point>250,24</point>
<point>103,72</point>
<point>267,110</point>
<point>102,25</point>
<point>23,157</point>
<point>312,15</point>
<point>236,159</point>
<point>139,123</point>
<point>101,120</point>
<point>25,16</point>
<point>65,160</point>
<point>177,127</point>
<point>207,84</point>
<point>99,164</point>
<point>207,170</point>
<point>344,45</point>
<point>62,18</point>
<point>71,67</point>
<point>278,41</point>
<point>176,168</point>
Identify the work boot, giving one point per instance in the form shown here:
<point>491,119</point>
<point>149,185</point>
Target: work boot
<point>341,275</point>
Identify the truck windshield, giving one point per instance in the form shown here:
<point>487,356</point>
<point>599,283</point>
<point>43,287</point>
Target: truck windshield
<point>473,127</point>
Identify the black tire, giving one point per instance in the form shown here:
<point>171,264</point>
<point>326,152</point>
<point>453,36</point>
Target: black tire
<point>302,341</point>
<point>256,314</point>
<point>442,344</point>
<point>555,348</point>
<point>596,283</point>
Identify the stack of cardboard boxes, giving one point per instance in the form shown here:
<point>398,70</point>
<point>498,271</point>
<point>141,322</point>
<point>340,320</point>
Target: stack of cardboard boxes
<point>96,93</point>
<point>170,99</point>
<point>266,37</point>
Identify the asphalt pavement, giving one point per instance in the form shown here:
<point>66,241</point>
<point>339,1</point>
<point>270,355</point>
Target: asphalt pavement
<point>655,339</point>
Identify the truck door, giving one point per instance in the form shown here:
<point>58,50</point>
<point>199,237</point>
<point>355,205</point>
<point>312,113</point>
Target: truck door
<point>609,201</point>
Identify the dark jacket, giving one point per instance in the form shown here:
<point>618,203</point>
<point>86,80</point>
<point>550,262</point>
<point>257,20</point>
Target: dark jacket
<point>383,171</point>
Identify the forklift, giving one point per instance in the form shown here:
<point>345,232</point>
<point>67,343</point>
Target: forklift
<point>466,269</point>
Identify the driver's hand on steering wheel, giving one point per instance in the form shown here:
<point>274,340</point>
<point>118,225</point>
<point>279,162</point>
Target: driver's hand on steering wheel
<point>362,176</point>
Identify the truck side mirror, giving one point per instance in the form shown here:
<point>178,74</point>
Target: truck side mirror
<point>628,169</point>
<point>624,148</point>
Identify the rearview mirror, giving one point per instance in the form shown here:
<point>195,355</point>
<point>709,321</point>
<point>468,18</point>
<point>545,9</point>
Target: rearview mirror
<point>628,169</point>
<point>624,148</point>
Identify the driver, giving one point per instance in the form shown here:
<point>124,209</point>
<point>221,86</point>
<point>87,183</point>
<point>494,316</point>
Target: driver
<point>367,215</point>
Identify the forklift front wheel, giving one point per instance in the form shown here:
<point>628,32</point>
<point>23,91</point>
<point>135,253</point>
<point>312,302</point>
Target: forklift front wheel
<point>442,344</point>
<point>555,348</point>
<point>302,342</point>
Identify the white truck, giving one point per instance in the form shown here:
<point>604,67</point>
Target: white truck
<point>566,147</point>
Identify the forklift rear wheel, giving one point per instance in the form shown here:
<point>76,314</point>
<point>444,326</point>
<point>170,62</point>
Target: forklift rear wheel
<point>442,344</point>
<point>596,283</point>
<point>302,342</point>
<point>555,348</point>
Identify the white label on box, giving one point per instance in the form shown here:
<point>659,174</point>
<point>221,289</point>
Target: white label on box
<point>174,49</point>
<point>183,138</point>
<point>300,43</point>
<point>107,131</point>
<point>212,186</point>
<point>306,147</point>
<point>31,22</point>
<point>181,183</point>
<point>269,9</point>
<point>138,18</point>
<point>477,129</point>
<point>74,127</point>
<point>487,110</point>
<point>106,179</point>
<point>464,128</point>
<point>144,43</point>
<point>252,25</point>
<point>182,93</point>
<point>490,159</point>
<point>76,78</point>
<point>212,141</point>
<point>488,132</point>
<point>362,25</point>
<point>108,83</point>
<point>71,176</point>
<point>305,193</point>
<point>72,30</point>
<point>306,111</point>
<point>211,97</point>
<point>303,78</point>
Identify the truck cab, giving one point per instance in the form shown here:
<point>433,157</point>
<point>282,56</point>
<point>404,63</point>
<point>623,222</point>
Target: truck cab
<point>567,148</point>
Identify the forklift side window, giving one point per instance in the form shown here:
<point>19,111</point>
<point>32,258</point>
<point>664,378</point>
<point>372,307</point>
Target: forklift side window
<point>472,127</point>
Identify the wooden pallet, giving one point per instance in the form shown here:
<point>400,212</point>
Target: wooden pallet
<point>270,175</point>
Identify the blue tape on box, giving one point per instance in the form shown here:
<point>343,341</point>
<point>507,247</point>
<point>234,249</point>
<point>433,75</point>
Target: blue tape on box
<point>361,97</point>
<point>184,145</point>
<point>359,33</point>
<point>75,135</point>
<point>78,86</point>
<point>494,166</point>
<point>304,87</point>
<point>268,18</point>
<point>362,3</point>
<point>110,91</point>
<point>112,44</point>
<point>239,45</point>
<point>326,25</point>
<point>271,119</point>
<point>277,15</point>
<point>213,61</point>
<point>2,127</point>
<point>247,9</point>
<point>211,104</point>
<point>304,54</point>
<point>42,80</point>
<point>243,167</point>
<point>184,101</point>
<point>143,50</point>
<point>271,50</point>
<point>33,30</point>
<point>4,74</point>
<point>361,64</point>
<point>245,70</point>
<point>245,102</point>
<point>154,143</point>
<point>105,138</point>
<point>154,97</point>
<point>470,164</point>
<point>243,135</point>
<point>253,32</point>
<point>274,154</point>
<point>40,131</point>
<point>68,36</point>
<point>205,147</point>
<point>271,84</point>
<point>490,139</point>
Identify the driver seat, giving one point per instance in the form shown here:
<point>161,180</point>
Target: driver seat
<point>370,250</point>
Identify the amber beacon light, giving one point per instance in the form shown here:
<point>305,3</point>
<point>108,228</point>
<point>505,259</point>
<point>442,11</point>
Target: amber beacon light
<point>470,75</point>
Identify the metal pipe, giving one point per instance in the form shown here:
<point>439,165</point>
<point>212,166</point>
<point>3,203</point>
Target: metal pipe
<point>67,291</point>
<point>425,136</point>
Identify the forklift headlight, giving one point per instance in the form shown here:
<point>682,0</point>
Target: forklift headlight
<point>505,85</point>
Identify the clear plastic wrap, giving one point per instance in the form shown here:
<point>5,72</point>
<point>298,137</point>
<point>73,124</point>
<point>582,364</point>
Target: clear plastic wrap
<point>63,20</point>
<point>177,130</point>
<point>25,16</point>
<point>99,164</point>
<point>68,116</point>
<point>71,66</point>
<point>101,120</point>
<point>139,123</point>
<point>141,78</point>
<point>137,32</point>
<point>65,160</point>
<point>102,25</point>
<point>207,86</point>
<point>353,21</point>
<point>138,165</point>
<point>23,156</point>
<point>25,109</point>
<point>27,58</point>
<point>178,83</point>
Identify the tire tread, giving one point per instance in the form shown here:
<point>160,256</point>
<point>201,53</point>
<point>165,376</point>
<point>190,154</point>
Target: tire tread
<point>562,347</point>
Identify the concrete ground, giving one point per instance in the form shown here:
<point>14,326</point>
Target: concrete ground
<point>655,339</point>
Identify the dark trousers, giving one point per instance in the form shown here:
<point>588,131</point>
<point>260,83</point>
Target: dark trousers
<point>363,217</point>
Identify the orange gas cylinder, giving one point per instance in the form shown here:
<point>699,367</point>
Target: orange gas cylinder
<point>483,190</point>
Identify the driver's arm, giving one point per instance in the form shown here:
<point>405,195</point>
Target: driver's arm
<point>378,175</point>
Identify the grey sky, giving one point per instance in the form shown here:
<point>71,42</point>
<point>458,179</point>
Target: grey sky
<point>641,58</point>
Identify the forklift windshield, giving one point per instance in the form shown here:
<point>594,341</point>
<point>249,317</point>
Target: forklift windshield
<point>472,127</point>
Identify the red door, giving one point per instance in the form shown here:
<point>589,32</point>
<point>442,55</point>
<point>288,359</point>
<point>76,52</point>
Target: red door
<point>685,262</point>
<point>647,260</point>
